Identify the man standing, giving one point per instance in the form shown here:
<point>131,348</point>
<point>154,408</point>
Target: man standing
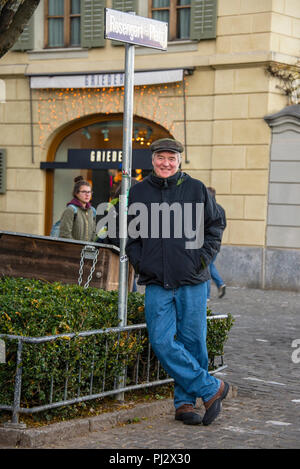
<point>175,272</point>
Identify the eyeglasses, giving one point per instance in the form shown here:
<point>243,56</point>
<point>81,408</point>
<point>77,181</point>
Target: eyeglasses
<point>86,192</point>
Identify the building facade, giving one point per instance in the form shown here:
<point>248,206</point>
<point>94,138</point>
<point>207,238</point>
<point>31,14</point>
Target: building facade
<point>62,100</point>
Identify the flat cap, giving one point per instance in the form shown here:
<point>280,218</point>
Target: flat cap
<point>167,144</point>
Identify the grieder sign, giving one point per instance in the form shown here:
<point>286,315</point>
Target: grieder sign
<point>133,29</point>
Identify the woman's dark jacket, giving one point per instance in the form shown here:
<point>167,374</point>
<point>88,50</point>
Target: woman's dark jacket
<point>167,261</point>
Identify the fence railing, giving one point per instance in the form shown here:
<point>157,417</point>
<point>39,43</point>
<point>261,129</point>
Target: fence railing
<point>116,360</point>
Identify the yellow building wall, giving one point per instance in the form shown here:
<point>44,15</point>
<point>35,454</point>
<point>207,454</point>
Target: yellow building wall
<point>227,96</point>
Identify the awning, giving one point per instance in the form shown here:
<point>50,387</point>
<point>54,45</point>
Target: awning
<point>105,80</point>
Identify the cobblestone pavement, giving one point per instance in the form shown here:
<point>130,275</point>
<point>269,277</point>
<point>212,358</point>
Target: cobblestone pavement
<point>260,363</point>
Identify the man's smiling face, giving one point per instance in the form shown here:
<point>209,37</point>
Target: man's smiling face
<point>165,163</point>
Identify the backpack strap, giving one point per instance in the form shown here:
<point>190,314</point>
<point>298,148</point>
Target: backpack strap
<point>74,208</point>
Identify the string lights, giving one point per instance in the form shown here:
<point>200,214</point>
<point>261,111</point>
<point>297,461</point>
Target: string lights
<point>161,104</point>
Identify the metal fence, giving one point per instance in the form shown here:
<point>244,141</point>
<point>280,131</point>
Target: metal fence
<point>101,370</point>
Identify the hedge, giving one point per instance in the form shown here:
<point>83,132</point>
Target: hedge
<point>35,308</point>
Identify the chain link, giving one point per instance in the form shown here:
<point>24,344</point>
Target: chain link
<point>89,252</point>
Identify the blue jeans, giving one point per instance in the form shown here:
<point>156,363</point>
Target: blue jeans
<point>176,321</point>
<point>216,277</point>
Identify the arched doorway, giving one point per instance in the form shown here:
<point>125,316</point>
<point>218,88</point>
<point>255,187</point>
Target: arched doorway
<point>94,135</point>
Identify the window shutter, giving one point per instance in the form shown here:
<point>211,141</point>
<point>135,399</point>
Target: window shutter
<point>203,19</point>
<point>25,40</point>
<point>2,171</point>
<point>125,5</point>
<point>92,23</point>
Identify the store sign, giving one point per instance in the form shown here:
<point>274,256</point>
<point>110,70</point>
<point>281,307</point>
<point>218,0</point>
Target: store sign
<point>138,30</point>
<point>106,156</point>
<point>97,158</point>
<point>105,80</point>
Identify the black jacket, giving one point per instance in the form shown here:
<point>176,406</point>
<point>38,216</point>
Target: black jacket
<point>223,215</point>
<point>168,261</point>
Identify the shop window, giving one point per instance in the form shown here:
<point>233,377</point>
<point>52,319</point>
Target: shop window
<point>105,135</point>
<point>62,23</point>
<point>91,148</point>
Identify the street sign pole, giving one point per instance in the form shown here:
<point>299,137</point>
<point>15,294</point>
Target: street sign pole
<point>123,200</point>
<point>146,32</point>
<point>126,180</point>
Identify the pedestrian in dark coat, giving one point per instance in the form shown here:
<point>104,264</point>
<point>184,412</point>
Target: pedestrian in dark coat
<point>214,273</point>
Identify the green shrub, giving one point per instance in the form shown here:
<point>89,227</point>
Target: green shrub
<point>217,334</point>
<point>64,369</point>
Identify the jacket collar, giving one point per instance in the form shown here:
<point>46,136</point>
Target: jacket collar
<point>76,202</point>
<point>165,182</point>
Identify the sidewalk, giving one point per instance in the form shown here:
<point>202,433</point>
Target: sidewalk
<point>265,414</point>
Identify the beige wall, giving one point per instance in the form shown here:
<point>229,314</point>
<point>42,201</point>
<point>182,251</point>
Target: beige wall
<point>228,145</point>
<point>22,207</point>
<point>227,97</point>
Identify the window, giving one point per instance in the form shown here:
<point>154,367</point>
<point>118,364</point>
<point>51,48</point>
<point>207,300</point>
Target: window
<point>62,23</point>
<point>175,12</point>
<point>80,23</point>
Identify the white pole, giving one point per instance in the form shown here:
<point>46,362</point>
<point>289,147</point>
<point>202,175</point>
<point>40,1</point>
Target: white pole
<point>125,186</point>
<point>126,181</point>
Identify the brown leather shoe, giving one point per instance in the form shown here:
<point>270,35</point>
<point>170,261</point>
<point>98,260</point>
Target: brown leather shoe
<point>187,414</point>
<point>214,405</point>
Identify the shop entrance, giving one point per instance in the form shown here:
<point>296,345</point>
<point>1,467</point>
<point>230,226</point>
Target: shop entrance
<point>92,147</point>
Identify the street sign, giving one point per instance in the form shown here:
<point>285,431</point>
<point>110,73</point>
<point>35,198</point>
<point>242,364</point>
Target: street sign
<point>137,30</point>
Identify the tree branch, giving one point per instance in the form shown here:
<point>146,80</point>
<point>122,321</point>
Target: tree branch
<point>17,24</point>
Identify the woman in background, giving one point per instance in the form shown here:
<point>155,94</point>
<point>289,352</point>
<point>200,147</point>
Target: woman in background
<point>78,221</point>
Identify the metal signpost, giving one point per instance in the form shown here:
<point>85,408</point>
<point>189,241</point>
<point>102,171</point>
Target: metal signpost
<point>132,30</point>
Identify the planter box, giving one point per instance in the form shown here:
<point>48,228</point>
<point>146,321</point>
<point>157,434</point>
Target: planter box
<point>58,260</point>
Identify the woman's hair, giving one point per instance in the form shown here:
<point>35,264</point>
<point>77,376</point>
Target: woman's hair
<point>79,181</point>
